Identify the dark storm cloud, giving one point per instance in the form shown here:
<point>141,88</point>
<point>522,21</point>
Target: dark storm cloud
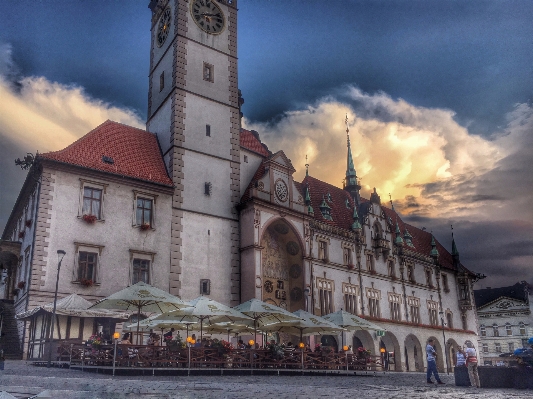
<point>474,58</point>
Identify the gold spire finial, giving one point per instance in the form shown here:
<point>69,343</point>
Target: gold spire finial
<point>347,130</point>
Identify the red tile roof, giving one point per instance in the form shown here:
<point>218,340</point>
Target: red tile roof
<point>135,153</point>
<point>251,142</point>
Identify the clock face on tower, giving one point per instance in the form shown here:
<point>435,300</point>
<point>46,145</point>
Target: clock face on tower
<point>208,16</point>
<point>164,27</point>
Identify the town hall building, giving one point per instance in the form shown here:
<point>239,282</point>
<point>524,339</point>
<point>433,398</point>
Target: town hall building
<point>196,205</point>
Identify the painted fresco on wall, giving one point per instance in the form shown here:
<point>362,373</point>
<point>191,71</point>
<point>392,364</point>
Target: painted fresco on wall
<point>282,268</point>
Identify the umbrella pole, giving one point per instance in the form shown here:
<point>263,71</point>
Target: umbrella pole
<point>201,329</point>
<point>138,321</point>
<point>255,330</point>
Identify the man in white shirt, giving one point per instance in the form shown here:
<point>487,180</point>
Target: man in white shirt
<point>461,358</point>
<point>471,363</point>
<point>432,363</point>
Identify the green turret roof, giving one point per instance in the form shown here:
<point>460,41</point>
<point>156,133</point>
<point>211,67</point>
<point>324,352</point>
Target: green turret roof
<point>433,253</point>
<point>399,239</point>
<point>355,225</point>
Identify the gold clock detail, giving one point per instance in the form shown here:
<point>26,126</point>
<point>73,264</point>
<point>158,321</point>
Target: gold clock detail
<point>164,27</point>
<point>208,16</point>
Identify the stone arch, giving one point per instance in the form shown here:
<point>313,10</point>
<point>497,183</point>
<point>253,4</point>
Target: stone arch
<point>9,260</point>
<point>440,354</point>
<point>452,353</point>
<point>391,344</point>
<point>364,339</point>
<point>282,269</point>
<point>414,353</point>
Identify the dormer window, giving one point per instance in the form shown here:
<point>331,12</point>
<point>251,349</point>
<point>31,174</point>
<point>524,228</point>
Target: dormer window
<point>325,210</point>
<point>328,196</point>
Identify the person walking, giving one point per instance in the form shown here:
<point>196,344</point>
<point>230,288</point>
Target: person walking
<point>432,363</point>
<point>471,363</point>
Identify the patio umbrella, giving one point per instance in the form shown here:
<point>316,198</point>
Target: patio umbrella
<point>264,313</point>
<point>164,324</point>
<point>351,322</point>
<point>203,308</point>
<point>72,305</point>
<point>141,296</point>
<point>308,324</point>
<point>6,395</point>
<point>228,327</point>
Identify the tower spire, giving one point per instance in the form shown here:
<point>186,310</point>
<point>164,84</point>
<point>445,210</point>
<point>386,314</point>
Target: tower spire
<point>306,166</point>
<point>351,184</point>
<point>455,252</point>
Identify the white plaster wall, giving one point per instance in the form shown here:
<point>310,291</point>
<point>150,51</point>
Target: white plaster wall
<point>164,66</point>
<point>206,251</point>
<point>200,113</point>
<point>160,124</point>
<point>196,56</point>
<point>249,168</point>
<point>199,169</point>
<point>115,232</point>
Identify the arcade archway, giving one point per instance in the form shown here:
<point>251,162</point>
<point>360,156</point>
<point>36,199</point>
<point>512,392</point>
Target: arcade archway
<point>390,343</point>
<point>440,354</point>
<point>414,354</point>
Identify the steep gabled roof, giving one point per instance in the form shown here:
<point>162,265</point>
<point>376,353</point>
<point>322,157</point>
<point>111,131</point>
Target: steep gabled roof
<point>134,153</point>
<point>488,295</point>
<point>251,142</point>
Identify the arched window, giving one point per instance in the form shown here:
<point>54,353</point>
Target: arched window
<point>508,329</point>
<point>449,319</point>
<point>483,330</point>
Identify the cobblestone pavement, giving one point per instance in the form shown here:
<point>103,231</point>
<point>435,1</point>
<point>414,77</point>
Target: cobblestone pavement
<point>24,380</point>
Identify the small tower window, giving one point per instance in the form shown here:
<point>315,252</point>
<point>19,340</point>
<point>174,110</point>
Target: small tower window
<point>207,188</point>
<point>205,287</point>
<point>208,130</point>
<point>162,81</point>
<point>208,72</point>
<point>246,159</point>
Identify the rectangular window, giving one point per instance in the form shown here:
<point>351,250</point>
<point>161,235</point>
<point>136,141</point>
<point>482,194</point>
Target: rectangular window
<point>347,256</point>
<point>433,314</point>
<point>395,301</point>
<point>449,319</point>
<point>208,72</point>
<point>208,130</point>
<point>369,263</point>
<point>205,287</point>
<point>498,347</point>
<point>445,286</point>
<point>522,329</point>
<point>496,331</point>
<point>322,250</point>
<point>141,271</point>
<point>87,262</point>
<point>92,201</point>
<point>162,81</point>
<point>411,274</point>
<point>511,346</point>
<point>485,348</point>
<point>207,188</point>
<point>325,294</point>
<point>508,329</point>
<point>246,159</point>
<point>392,271</point>
<point>350,298</point>
<point>415,314</point>
<point>144,211</point>
<point>374,297</point>
<point>483,331</point>
<point>429,282</point>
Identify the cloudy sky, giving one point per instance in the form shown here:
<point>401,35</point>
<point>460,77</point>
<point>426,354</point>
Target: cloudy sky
<point>438,97</point>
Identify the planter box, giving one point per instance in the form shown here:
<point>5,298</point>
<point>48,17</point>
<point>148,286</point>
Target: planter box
<point>497,377</point>
<point>461,376</point>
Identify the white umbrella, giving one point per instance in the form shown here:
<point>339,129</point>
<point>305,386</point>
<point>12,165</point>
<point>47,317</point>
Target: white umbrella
<point>204,308</point>
<point>264,313</point>
<point>308,324</point>
<point>351,322</point>
<point>73,305</point>
<point>6,395</point>
<point>141,296</point>
<point>163,324</point>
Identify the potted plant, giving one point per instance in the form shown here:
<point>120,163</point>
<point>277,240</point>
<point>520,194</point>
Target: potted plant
<point>21,284</point>
<point>351,266</point>
<point>95,341</point>
<point>89,219</point>
<point>362,353</point>
<point>176,344</point>
<point>87,282</point>
<point>145,226</point>
<point>28,223</point>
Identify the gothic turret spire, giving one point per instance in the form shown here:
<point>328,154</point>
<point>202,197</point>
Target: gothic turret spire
<point>310,209</point>
<point>399,239</point>
<point>455,252</point>
<point>351,183</point>
<point>356,225</point>
<point>433,253</point>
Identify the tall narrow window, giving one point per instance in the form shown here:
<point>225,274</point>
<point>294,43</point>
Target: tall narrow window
<point>162,81</point>
<point>92,201</point>
<point>414,309</point>
<point>208,130</point>
<point>411,273</point>
<point>449,319</point>
<point>87,265</point>
<point>144,211</point>
<point>485,348</point>
<point>498,347</point>
<point>392,271</point>
<point>374,297</point>
<point>325,294</point>
<point>495,330</point>
<point>347,256</point>
<point>350,298</point>
<point>432,311</point>
<point>322,250</point>
<point>511,346</point>
<point>429,282</point>
<point>395,301</point>
<point>208,72</point>
<point>370,263</point>
<point>483,331</point>
<point>522,327</point>
<point>141,271</point>
<point>445,286</point>
<point>207,188</point>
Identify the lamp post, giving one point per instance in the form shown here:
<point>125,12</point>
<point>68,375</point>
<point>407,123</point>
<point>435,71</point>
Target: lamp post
<point>116,336</point>
<point>60,255</point>
<point>441,313</point>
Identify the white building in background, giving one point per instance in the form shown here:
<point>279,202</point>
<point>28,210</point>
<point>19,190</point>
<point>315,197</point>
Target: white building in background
<point>197,205</point>
<point>505,317</point>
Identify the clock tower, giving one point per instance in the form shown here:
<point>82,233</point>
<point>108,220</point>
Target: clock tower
<point>193,108</point>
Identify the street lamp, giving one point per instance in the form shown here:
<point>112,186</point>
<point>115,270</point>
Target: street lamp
<point>60,255</point>
<point>441,313</point>
<point>116,336</point>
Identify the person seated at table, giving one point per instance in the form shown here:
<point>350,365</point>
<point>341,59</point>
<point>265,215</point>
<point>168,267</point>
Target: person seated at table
<point>240,344</point>
<point>126,339</point>
<point>290,346</point>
